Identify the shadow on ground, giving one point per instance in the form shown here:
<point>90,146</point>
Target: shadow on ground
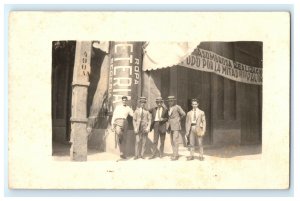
<point>231,151</point>
<point>228,151</point>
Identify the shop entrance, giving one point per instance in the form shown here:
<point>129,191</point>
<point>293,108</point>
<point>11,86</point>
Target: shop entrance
<point>63,54</point>
<point>232,109</point>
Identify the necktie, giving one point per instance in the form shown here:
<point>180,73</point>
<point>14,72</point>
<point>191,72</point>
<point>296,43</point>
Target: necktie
<point>194,115</point>
<point>159,114</point>
<point>142,115</point>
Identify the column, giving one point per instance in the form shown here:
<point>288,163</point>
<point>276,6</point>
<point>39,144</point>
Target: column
<point>80,84</point>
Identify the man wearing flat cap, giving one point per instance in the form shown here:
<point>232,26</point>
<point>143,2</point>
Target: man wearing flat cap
<point>176,114</point>
<point>159,119</point>
<point>120,124</point>
<point>141,125</point>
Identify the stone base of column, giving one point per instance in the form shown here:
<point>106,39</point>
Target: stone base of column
<point>78,151</point>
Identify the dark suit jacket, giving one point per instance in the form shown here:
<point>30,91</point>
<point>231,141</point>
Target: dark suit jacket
<point>164,116</point>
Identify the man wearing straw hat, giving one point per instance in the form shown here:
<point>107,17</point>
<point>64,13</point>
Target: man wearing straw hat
<point>141,125</point>
<point>159,119</point>
<point>176,114</point>
<point>120,124</point>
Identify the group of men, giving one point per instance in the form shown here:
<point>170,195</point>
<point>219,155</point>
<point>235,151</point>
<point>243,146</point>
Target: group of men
<point>162,120</point>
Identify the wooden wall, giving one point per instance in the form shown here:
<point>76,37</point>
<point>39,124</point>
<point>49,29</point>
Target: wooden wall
<point>233,109</point>
<point>236,107</point>
<point>250,95</point>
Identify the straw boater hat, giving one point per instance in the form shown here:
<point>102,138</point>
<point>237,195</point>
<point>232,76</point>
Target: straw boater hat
<point>171,98</point>
<point>159,99</point>
<point>195,99</point>
<point>143,99</point>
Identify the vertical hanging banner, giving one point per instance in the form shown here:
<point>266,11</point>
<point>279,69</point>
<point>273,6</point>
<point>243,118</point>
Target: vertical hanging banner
<point>124,73</point>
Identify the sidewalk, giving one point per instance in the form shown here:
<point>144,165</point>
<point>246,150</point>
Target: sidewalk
<point>245,152</point>
<point>227,167</point>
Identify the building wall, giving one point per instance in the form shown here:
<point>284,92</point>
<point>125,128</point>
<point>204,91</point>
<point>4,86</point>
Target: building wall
<point>233,109</point>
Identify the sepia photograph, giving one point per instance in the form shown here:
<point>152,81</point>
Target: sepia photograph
<point>149,100</point>
<point>144,100</point>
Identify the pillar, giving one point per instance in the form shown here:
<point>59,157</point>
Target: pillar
<point>80,84</point>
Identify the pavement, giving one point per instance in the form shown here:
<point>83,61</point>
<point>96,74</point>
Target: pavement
<point>211,152</point>
<point>224,167</point>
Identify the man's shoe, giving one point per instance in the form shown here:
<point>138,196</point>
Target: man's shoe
<point>123,156</point>
<point>174,158</point>
<point>142,157</point>
<point>161,155</point>
<point>135,158</point>
<point>152,157</point>
<point>201,158</point>
<point>190,158</point>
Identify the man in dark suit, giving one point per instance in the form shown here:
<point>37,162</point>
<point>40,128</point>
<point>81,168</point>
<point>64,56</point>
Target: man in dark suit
<point>176,114</point>
<point>159,119</point>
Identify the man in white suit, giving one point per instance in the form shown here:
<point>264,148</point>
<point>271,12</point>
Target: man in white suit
<point>141,125</point>
<point>119,124</point>
<point>195,129</point>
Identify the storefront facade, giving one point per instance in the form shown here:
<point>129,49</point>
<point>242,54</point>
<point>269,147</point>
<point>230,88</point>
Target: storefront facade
<point>233,109</point>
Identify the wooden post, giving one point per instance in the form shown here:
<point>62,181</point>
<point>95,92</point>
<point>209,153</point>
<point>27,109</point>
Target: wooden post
<point>173,81</point>
<point>80,86</point>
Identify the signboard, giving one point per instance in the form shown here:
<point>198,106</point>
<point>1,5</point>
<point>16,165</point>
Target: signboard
<point>124,73</point>
<point>208,61</point>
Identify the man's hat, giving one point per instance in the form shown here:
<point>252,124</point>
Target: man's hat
<point>159,99</point>
<point>171,98</point>
<point>143,99</point>
<point>195,99</point>
<point>124,97</point>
